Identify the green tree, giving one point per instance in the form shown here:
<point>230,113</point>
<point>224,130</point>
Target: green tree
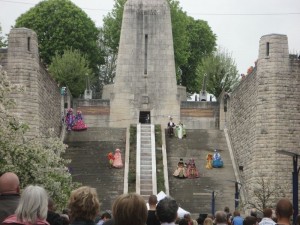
<point>71,70</point>
<point>35,161</point>
<point>61,25</point>
<point>221,71</point>
<point>202,41</point>
<point>180,37</point>
<point>3,41</point>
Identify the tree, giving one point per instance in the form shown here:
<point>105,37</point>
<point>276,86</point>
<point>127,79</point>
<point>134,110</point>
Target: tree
<point>265,193</point>
<point>3,41</point>
<point>221,71</point>
<point>35,161</point>
<point>71,70</point>
<point>180,36</point>
<point>61,25</point>
<point>202,42</point>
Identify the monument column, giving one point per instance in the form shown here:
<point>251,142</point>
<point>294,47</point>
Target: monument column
<point>145,79</point>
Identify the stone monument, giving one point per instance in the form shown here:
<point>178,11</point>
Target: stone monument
<point>145,82</point>
<point>203,93</point>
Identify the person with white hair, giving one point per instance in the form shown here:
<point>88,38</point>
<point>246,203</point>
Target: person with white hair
<point>32,208</point>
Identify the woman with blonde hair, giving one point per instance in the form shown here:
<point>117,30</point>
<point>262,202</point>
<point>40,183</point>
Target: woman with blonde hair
<point>129,209</point>
<point>208,221</point>
<point>84,206</point>
<point>32,208</point>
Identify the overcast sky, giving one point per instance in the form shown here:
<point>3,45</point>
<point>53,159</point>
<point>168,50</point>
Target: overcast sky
<point>238,24</point>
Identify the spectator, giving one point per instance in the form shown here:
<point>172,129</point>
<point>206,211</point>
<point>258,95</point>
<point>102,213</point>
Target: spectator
<point>183,222</point>
<point>53,218</point>
<point>84,206</point>
<point>190,220</point>
<point>9,194</point>
<point>250,220</point>
<point>166,210</point>
<point>221,218</point>
<point>297,222</point>
<point>129,209</point>
<point>226,209</point>
<point>284,211</point>
<point>201,218</point>
<point>152,219</point>
<point>208,221</point>
<point>267,219</point>
<point>105,216</point>
<point>32,208</point>
<point>237,219</point>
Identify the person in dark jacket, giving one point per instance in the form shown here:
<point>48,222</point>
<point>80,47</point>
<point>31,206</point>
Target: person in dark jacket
<point>152,219</point>
<point>9,194</point>
<point>53,218</point>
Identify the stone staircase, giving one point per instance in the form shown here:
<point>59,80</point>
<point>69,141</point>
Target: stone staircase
<point>146,162</point>
<point>195,195</point>
<point>89,166</point>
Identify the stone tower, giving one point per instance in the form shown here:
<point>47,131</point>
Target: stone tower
<point>38,104</point>
<point>145,82</point>
<point>23,70</point>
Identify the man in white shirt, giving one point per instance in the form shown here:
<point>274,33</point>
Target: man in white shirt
<point>267,220</point>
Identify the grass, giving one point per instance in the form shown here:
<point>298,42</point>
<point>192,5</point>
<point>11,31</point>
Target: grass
<point>159,160</point>
<point>132,160</point>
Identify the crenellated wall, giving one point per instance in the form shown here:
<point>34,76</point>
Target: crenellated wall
<point>39,105</point>
<point>264,116</point>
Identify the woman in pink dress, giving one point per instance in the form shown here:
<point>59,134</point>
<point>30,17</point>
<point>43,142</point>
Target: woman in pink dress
<point>79,124</point>
<point>118,159</point>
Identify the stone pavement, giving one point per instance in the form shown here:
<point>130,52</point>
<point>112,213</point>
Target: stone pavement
<point>89,166</point>
<point>193,195</point>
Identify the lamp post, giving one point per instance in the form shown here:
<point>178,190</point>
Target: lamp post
<point>295,179</point>
<point>213,200</point>
<point>236,193</point>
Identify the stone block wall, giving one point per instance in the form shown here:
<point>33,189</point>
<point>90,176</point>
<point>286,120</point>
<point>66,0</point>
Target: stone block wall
<point>199,115</point>
<point>95,112</point>
<point>264,117</point>
<point>49,103</point>
<point>39,105</point>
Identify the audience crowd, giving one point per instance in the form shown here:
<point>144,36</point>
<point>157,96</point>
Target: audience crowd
<point>34,207</point>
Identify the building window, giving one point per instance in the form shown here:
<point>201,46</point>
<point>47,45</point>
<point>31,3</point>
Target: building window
<point>146,52</point>
<point>267,48</point>
<point>28,43</point>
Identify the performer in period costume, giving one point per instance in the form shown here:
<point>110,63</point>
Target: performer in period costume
<point>217,160</point>
<point>180,130</point>
<point>180,171</point>
<point>118,159</point>
<point>110,157</point>
<point>171,126</point>
<point>209,159</point>
<point>192,171</point>
<point>79,124</point>
<point>70,119</point>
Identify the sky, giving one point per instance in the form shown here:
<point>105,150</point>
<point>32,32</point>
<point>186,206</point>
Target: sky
<point>238,24</point>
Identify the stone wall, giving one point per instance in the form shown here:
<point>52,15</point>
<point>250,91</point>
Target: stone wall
<point>199,115</point>
<point>264,117</point>
<point>39,105</point>
<point>95,112</point>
